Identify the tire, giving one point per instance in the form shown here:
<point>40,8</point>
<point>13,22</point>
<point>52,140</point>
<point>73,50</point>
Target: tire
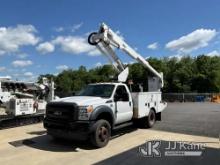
<point>101,133</point>
<point>150,120</point>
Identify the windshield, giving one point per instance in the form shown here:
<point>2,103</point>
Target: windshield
<point>99,90</point>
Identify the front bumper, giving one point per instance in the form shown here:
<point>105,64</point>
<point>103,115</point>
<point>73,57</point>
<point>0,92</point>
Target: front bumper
<point>77,130</point>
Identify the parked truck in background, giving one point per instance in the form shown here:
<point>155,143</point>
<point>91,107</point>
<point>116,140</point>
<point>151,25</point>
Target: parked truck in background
<point>23,102</point>
<point>102,107</point>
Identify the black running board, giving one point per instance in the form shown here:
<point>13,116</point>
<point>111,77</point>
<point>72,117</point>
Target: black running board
<point>123,125</point>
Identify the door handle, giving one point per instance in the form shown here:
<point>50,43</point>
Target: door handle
<point>129,103</point>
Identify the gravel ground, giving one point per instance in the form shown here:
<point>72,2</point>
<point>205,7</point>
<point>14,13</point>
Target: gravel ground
<point>191,118</point>
<point>191,122</point>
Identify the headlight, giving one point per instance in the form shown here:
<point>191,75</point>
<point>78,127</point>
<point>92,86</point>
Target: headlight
<point>84,112</point>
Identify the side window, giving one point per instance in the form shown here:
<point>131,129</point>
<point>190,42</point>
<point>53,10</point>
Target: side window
<point>121,94</point>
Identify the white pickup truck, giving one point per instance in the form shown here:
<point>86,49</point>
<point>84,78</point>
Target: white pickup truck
<point>98,109</point>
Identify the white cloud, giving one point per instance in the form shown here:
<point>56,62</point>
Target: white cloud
<point>28,74</point>
<point>98,64</point>
<point>135,48</point>
<point>131,62</point>
<point>62,67</point>
<point>39,66</point>
<point>59,29</point>
<point>22,55</point>
<point>16,75</point>
<point>56,74</point>
<point>73,28</point>
<point>192,41</point>
<point>12,38</point>
<point>22,63</point>
<point>70,44</point>
<point>75,45</point>
<point>94,52</point>
<point>120,34</point>
<point>29,79</point>
<point>213,53</point>
<point>177,56</point>
<point>5,77</point>
<point>88,33</point>
<point>76,27</point>
<point>11,70</point>
<point>146,58</point>
<point>2,69</point>
<point>45,48</point>
<point>153,46</point>
<point>23,70</point>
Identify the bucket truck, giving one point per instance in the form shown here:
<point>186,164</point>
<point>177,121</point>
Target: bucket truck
<point>102,107</point>
<point>23,102</point>
<point>31,99</point>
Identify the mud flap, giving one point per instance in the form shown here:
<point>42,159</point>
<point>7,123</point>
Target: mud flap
<point>158,116</point>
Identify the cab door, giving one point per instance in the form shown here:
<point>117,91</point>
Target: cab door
<point>123,105</point>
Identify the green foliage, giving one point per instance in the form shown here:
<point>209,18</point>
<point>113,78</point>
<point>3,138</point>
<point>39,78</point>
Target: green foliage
<point>200,74</point>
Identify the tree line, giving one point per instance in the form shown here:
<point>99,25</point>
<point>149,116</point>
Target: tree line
<point>188,74</point>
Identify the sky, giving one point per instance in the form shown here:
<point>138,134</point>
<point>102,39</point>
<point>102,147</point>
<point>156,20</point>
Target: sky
<point>48,36</point>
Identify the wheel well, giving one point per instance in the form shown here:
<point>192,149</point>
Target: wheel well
<point>152,108</point>
<point>158,115</point>
<point>106,116</point>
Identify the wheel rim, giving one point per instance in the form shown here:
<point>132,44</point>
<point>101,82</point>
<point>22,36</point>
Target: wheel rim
<point>103,134</point>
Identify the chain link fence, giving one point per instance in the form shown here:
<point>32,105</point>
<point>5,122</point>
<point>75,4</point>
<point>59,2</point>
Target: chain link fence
<point>188,97</point>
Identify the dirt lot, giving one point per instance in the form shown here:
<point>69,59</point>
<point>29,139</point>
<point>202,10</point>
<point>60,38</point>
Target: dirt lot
<point>191,122</point>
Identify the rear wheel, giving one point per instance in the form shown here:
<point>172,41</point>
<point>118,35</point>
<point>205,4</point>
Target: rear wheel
<point>101,133</point>
<point>149,121</point>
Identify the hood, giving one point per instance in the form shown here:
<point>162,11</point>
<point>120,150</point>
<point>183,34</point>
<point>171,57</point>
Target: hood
<point>83,100</point>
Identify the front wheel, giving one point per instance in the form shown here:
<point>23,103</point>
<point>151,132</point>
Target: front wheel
<point>101,133</point>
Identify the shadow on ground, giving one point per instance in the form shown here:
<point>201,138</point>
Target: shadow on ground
<point>133,157</point>
<point>37,132</point>
<point>47,143</point>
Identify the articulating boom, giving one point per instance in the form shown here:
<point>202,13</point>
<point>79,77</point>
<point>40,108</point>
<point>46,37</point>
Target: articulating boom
<point>105,40</point>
